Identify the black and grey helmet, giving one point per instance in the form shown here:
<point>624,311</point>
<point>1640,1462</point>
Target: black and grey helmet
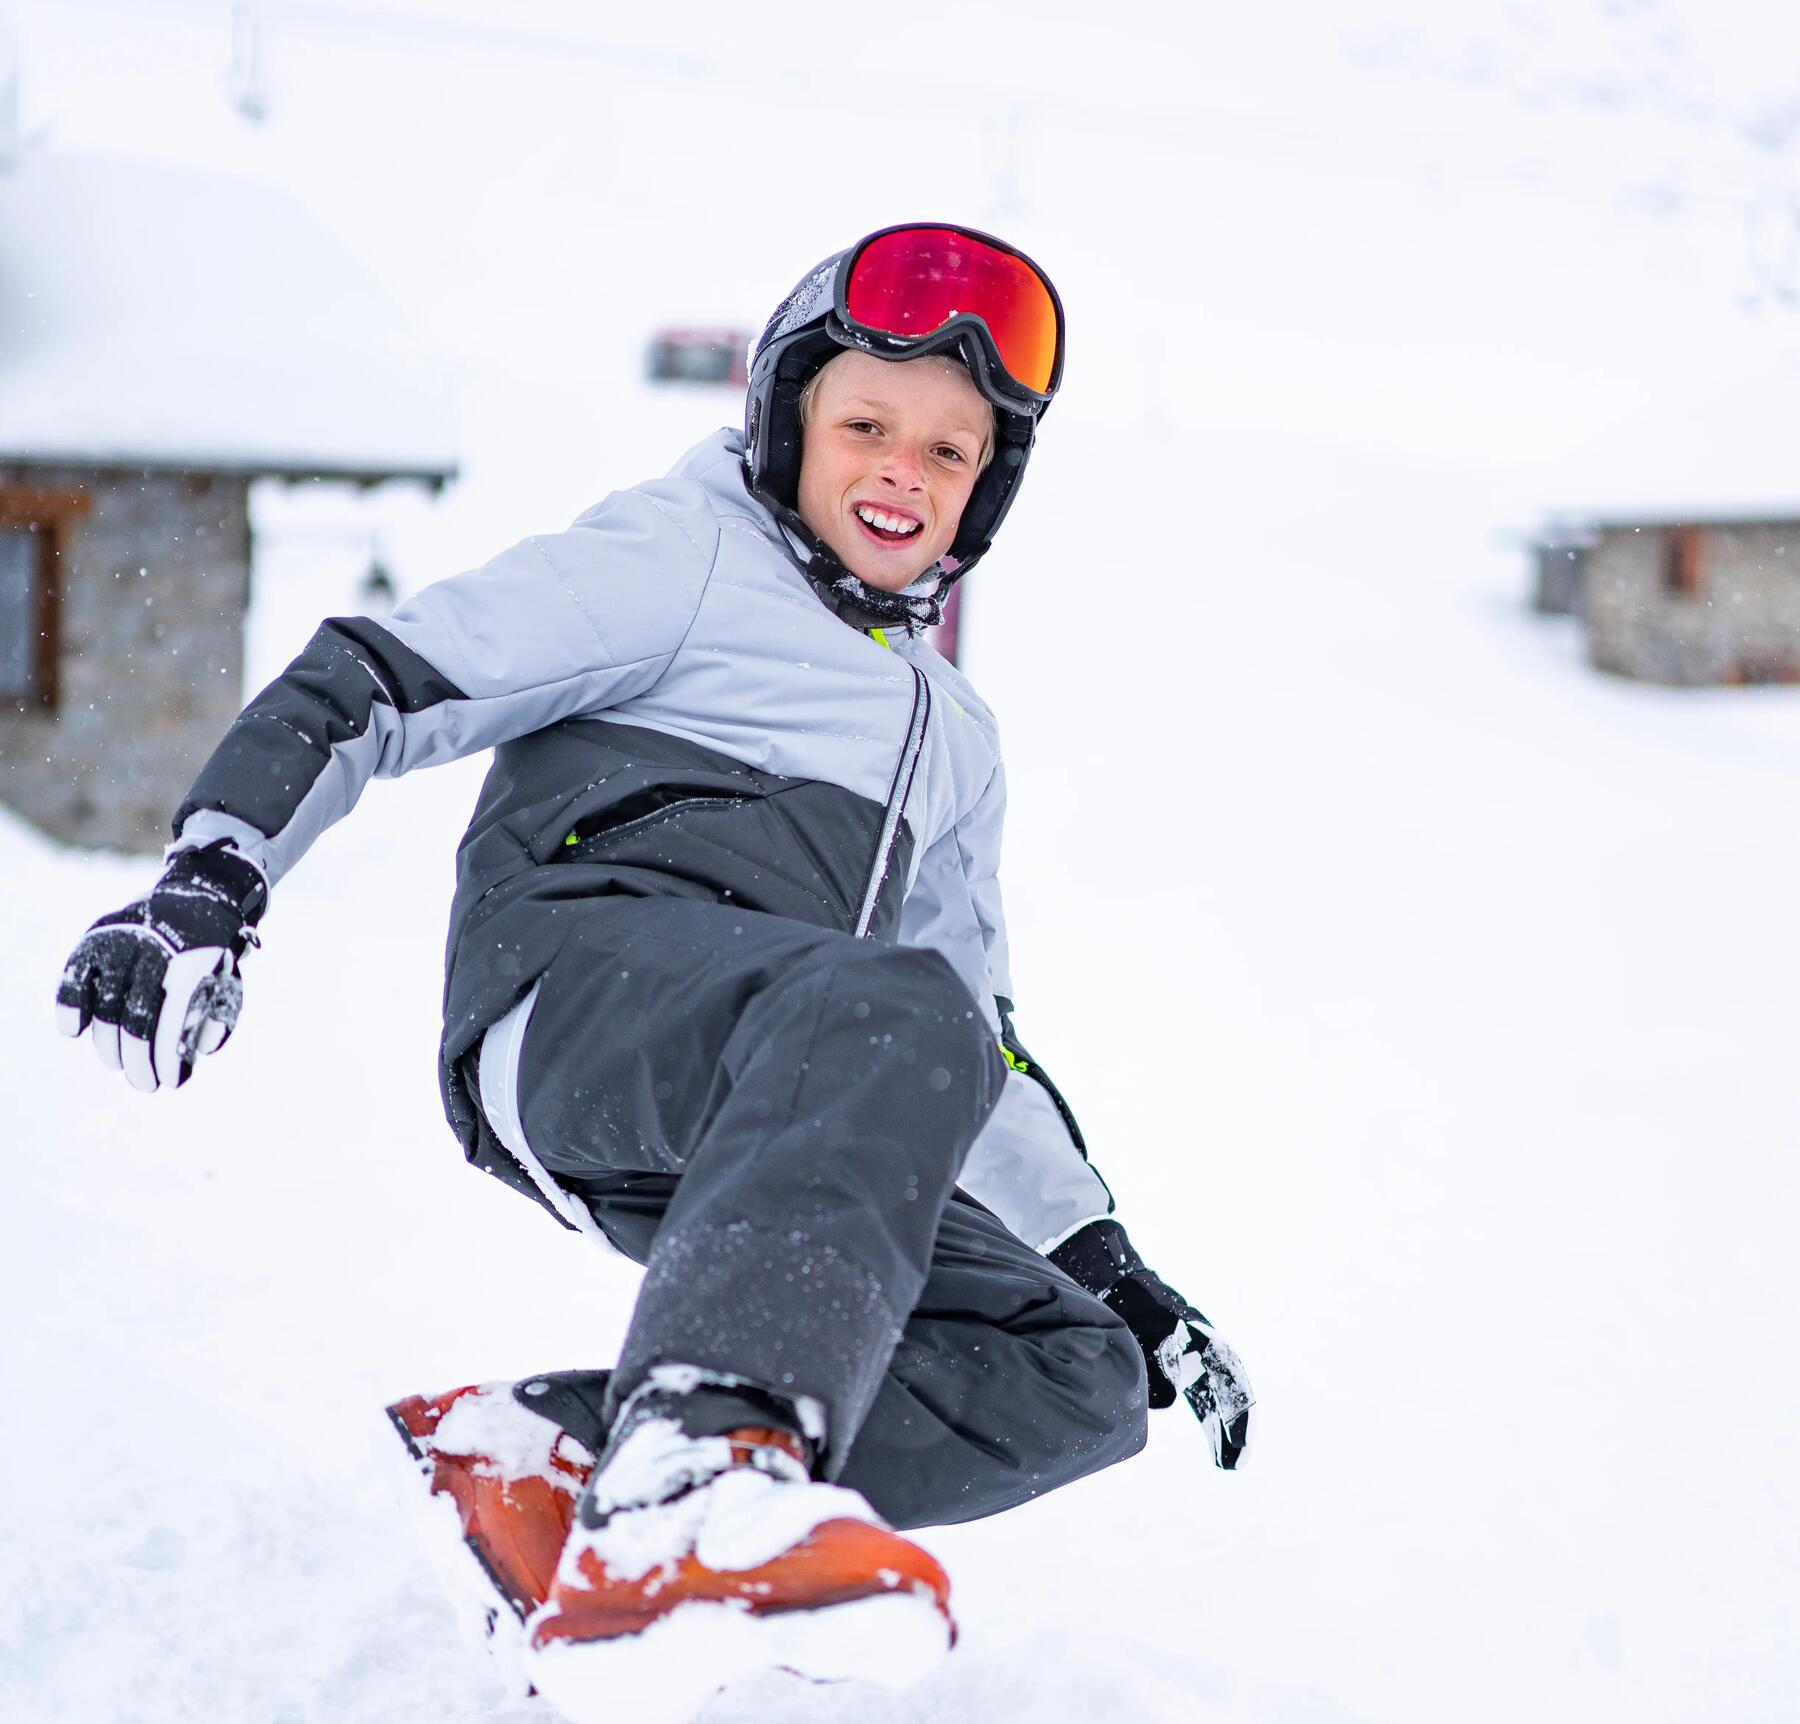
<point>807,330</point>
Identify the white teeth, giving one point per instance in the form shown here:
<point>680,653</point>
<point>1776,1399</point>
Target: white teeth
<point>885,522</point>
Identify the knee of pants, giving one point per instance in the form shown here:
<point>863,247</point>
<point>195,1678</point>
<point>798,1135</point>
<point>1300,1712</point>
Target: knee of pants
<point>1122,1386</point>
<point>914,996</point>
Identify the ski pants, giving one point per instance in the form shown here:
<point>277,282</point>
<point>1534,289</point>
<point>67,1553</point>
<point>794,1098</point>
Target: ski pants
<point>771,1118</point>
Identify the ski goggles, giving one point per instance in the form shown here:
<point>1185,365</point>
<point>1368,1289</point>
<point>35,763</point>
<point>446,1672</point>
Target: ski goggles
<point>919,288</point>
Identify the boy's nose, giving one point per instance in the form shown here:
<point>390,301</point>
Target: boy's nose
<point>903,470</point>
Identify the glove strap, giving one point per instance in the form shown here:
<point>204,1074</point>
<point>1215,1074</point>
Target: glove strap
<point>1097,1257</point>
<point>217,869</point>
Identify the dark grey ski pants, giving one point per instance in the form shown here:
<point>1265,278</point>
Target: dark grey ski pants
<point>771,1118</point>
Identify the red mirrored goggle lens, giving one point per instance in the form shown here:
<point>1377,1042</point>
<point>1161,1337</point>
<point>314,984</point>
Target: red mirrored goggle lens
<point>913,282</point>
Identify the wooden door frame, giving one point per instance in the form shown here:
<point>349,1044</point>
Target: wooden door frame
<point>53,513</point>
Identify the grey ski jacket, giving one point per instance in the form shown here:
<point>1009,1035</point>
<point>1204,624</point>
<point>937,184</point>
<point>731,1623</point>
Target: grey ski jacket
<point>673,709</point>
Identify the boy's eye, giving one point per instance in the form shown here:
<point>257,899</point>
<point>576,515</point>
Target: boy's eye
<point>863,425</point>
<point>950,452</point>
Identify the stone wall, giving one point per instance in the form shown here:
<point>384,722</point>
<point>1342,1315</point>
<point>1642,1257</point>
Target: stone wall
<point>1738,623</point>
<point>154,585</point>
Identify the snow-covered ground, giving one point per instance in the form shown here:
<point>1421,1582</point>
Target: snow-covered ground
<point>1427,999</point>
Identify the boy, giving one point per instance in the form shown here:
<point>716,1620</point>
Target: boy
<point>727,988</point>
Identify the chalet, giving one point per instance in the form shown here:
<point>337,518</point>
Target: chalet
<point>1692,600</point>
<point>167,338</point>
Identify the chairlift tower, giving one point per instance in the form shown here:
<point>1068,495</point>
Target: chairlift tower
<point>12,149</point>
<point>246,78</point>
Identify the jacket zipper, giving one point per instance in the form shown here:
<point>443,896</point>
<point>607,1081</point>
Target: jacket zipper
<point>898,791</point>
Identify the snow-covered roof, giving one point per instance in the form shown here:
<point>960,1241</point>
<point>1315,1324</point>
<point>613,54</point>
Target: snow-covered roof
<point>1722,452</point>
<point>152,314</point>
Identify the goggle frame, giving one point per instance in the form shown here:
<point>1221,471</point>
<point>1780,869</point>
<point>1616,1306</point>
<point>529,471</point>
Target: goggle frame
<point>968,331</point>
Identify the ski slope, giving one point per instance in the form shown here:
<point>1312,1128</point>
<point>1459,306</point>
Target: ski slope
<point>1425,998</point>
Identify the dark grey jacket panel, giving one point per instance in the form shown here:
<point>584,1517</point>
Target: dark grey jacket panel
<point>588,810</point>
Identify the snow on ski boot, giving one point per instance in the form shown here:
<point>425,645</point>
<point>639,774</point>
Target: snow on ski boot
<point>702,1553</point>
<point>503,1465</point>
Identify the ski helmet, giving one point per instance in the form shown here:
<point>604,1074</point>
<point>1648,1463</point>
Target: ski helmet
<point>900,293</point>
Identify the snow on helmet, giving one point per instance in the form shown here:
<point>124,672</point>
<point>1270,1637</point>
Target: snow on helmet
<point>900,293</point>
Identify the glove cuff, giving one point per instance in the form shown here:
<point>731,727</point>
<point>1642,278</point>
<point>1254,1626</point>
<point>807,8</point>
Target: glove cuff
<point>224,872</point>
<point>1097,1257</point>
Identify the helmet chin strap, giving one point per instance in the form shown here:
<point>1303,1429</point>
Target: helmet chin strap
<point>845,595</point>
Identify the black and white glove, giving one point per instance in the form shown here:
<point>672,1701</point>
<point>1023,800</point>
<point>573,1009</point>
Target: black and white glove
<point>1181,1352</point>
<point>158,980</point>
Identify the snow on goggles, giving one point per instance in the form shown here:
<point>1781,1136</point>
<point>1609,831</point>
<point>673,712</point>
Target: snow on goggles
<point>905,286</point>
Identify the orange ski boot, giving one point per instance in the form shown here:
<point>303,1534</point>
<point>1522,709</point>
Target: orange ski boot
<point>696,1560</point>
<point>501,1483</point>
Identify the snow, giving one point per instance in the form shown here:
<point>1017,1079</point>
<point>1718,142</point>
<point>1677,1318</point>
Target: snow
<point>1426,998</point>
<point>745,1518</point>
<point>662,1674</point>
<point>509,1440</point>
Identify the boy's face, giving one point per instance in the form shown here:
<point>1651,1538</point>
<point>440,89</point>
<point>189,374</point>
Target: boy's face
<point>888,460</point>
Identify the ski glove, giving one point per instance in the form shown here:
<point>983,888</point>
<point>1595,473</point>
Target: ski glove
<point>158,979</point>
<point>1181,1352</point>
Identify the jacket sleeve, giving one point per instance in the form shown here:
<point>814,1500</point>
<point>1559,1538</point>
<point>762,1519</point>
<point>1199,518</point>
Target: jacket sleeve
<point>1029,1165</point>
<point>559,625</point>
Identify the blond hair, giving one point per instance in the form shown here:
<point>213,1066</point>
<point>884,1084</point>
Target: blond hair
<point>809,393</point>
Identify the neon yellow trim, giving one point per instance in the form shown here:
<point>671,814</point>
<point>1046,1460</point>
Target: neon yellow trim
<point>571,839</point>
<point>879,636</point>
<point>1014,1063</point>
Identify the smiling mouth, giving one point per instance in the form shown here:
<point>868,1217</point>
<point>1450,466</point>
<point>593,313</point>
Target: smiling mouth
<point>886,528</point>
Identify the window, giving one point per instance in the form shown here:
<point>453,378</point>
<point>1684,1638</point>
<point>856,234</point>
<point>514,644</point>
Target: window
<point>21,582</point>
<point>33,531</point>
<point>1684,574</point>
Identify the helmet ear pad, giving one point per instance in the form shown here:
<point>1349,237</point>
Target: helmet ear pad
<point>995,488</point>
<point>772,431</point>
